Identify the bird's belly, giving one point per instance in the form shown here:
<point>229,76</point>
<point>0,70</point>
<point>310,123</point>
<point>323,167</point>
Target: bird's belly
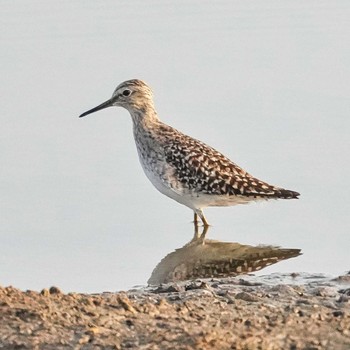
<point>163,179</point>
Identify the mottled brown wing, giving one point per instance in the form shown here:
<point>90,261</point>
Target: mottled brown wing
<point>203,169</point>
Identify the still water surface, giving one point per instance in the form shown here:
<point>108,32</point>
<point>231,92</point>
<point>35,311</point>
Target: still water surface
<point>266,83</point>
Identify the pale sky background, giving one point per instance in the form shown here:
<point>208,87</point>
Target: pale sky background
<point>264,82</point>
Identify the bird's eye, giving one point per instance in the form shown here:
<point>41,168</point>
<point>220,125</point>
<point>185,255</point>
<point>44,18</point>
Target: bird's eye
<point>126,92</point>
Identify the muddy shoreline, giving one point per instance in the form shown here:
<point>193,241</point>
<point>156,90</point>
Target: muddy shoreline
<point>246,312</point>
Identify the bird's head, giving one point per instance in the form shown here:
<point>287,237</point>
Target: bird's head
<point>134,95</point>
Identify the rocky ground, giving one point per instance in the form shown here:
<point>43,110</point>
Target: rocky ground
<point>233,313</point>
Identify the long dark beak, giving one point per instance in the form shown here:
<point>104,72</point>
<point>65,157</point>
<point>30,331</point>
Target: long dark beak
<point>98,108</point>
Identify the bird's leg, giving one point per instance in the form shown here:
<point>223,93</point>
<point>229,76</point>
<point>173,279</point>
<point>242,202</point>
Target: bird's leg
<point>195,219</point>
<point>199,237</point>
<point>199,212</point>
<point>196,232</point>
<point>205,222</point>
<point>204,233</point>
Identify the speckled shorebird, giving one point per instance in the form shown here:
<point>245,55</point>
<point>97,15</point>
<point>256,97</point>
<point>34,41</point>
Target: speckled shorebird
<point>181,167</point>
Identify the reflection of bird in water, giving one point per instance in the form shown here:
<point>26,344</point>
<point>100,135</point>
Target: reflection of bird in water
<point>204,258</point>
<point>181,167</point>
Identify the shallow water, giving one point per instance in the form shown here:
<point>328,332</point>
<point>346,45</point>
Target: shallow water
<point>265,83</point>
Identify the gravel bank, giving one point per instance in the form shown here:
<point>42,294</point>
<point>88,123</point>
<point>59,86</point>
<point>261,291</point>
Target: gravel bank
<point>303,312</point>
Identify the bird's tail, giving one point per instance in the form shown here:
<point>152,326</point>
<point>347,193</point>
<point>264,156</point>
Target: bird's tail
<point>286,194</point>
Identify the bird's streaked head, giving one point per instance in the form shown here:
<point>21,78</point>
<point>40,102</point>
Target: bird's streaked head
<point>134,95</point>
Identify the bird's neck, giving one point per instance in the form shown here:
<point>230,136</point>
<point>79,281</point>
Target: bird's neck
<point>144,117</point>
